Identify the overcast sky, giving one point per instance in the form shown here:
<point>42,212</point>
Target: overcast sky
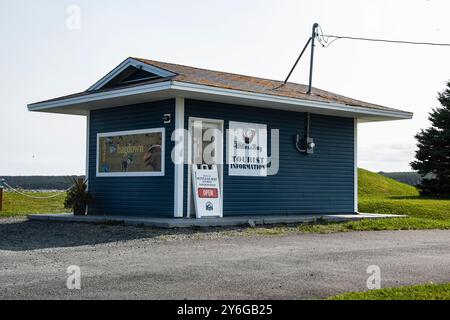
<point>42,58</point>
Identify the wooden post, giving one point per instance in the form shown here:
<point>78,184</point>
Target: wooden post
<point>1,193</point>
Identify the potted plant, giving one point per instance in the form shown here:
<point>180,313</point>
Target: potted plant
<point>77,197</point>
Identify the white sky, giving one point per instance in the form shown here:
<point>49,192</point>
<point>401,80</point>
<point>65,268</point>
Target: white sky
<point>41,58</point>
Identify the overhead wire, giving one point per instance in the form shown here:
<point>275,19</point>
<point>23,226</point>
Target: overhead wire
<point>325,40</point>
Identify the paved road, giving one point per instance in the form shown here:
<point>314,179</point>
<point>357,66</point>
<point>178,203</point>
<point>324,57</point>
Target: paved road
<point>126,262</point>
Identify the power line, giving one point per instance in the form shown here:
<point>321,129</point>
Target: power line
<point>324,40</point>
<point>327,44</point>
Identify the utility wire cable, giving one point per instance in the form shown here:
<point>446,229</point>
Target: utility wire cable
<point>325,40</point>
<point>322,39</point>
<point>322,36</point>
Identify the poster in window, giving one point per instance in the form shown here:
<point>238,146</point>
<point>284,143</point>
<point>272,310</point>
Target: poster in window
<point>139,152</point>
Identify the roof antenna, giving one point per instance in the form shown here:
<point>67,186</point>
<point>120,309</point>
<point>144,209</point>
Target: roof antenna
<point>313,36</point>
<point>310,40</point>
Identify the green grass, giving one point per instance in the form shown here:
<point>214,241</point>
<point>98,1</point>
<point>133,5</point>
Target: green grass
<point>362,225</point>
<point>379,194</point>
<point>18,205</point>
<point>377,225</point>
<point>413,207</point>
<point>417,292</point>
<point>372,184</point>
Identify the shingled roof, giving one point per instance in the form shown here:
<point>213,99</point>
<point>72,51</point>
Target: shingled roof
<point>240,82</point>
<point>225,80</point>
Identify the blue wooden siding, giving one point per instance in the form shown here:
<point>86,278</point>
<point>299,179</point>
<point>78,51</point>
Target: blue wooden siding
<point>322,182</point>
<point>132,195</point>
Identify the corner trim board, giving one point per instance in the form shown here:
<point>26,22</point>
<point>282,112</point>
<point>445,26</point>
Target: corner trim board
<point>88,123</point>
<point>355,183</point>
<point>179,167</point>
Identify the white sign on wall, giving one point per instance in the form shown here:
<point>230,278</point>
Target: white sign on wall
<point>207,197</point>
<point>247,149</point>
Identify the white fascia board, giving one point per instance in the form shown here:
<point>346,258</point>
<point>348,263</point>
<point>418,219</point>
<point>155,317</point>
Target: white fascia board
<point>185,88</point>
<point>154,87</point>
<point>125,64</point>
<point>286,100</point>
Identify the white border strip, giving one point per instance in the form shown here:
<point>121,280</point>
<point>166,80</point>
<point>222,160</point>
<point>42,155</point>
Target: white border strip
<point>179,167</point>
<point>132,174</point>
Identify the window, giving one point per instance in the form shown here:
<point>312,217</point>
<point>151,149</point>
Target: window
<point>131,153</point>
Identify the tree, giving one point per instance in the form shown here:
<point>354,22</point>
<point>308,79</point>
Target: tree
<point>433,156</point>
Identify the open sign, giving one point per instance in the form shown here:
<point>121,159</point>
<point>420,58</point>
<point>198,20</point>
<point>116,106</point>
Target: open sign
<point>208,193</point>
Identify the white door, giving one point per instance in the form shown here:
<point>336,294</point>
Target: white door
<point>205,148</point>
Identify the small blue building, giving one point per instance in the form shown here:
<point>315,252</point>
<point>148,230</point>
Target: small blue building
<point>294,152</point>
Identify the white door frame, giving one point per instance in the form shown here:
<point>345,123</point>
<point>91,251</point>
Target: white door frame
<point>219,167</point>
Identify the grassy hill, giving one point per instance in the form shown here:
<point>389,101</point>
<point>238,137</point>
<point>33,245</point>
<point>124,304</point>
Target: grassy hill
<point>380,194</point>
<point>372,184</point>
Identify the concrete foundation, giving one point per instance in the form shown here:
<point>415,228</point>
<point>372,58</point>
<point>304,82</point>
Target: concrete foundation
<point>208,222</point>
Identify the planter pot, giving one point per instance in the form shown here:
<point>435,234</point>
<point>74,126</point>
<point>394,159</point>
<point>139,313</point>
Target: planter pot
<point>79,210</point>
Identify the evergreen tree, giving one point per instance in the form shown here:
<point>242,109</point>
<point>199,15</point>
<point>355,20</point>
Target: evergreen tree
<point>433,155</point>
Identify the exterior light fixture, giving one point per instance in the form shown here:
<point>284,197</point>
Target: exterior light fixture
<point>305,144</point>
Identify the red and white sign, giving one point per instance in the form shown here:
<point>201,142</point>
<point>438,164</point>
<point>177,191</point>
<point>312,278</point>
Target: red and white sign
<point>208,193</point>
<point>208,201</point>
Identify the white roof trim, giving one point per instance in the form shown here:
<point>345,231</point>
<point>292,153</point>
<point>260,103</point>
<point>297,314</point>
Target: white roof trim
<point>125,64</point>
<point>177,88</point>
<point>154,87</point>
<point>286,100</point>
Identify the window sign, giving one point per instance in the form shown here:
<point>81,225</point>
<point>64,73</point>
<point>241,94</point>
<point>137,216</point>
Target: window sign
<point>247,149</point>
<point>131,153</point>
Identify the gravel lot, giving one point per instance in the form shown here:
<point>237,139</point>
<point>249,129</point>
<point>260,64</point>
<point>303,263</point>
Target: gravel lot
<point>130,262</point>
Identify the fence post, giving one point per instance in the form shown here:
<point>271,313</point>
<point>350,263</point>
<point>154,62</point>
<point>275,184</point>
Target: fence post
<point>1,193</point>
